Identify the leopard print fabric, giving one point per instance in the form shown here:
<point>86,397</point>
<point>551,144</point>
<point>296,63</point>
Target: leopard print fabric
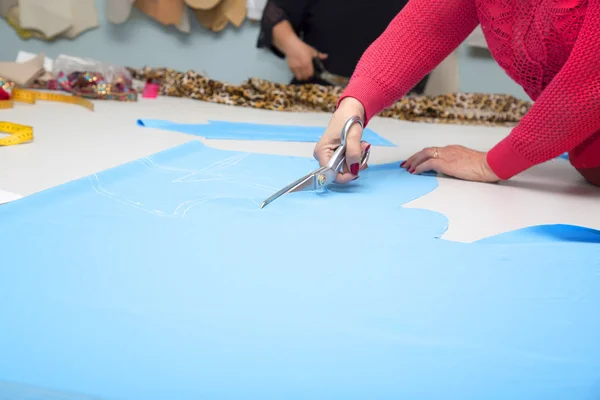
<point>460,108</point>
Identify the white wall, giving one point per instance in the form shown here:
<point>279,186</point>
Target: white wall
<point>230,55</point>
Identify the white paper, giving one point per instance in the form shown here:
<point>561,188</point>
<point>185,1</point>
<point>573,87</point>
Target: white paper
<point>6,197</point>
<point>255,9</point>
<point>24,56</point>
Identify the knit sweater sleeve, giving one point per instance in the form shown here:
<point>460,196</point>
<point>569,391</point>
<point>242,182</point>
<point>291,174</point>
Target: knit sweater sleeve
<point>417,40</point>
<point>564,115</point>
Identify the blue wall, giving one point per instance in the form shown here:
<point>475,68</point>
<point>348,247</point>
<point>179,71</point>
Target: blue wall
<point>230,55</point>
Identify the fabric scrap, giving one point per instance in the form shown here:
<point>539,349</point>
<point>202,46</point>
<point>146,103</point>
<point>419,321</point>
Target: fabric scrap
<point>454,108</point>
<point>6,5</point>
<point>85,17</point>
<point>118,11</point>
<point>51,18</point>
<point>24,73</point>
<point>249,131</point>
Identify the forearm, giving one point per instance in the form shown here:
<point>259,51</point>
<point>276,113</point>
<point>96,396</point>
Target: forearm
<point>565,114</point>
<point>281,19</point>
<point>419,38</point>
<point>284,37</point>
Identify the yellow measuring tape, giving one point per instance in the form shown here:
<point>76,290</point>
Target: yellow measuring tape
<point>30,96</point>
<point>18,134</point>
<point>6,104</point>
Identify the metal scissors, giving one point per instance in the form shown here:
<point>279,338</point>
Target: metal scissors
<point>320,178</point>
<point>322,73</point>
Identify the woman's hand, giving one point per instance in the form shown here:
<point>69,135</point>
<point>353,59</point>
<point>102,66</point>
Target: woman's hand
<point>330,141</point>
<point>300,60</point>
<point>299,55</point>
<point>456,161</point>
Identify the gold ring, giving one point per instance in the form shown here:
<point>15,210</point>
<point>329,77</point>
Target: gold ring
<point>436,153</point>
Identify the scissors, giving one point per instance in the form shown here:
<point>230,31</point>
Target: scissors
<point>319,179</point>
<point>322,73</point>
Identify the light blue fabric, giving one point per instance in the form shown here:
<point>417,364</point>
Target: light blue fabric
<point>21,391</point>
<point>546,233</point>
<point>249,131</point>
<point>162,279</point>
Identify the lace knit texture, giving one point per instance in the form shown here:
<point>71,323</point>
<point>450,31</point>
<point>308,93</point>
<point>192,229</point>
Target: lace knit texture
<point>550,47</point>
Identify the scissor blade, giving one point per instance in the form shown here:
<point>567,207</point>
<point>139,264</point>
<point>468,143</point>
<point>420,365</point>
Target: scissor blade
<point>307,182</point>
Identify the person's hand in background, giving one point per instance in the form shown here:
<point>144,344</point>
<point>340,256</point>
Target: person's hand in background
<point>300,60</point>
<point>299,55</point>
<point>330,141</point>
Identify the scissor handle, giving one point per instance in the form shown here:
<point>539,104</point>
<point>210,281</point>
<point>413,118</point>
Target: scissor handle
<point>336,162</point>
<point>351,121</point>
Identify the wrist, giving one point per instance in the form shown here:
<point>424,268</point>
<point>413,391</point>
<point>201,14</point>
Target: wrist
<point>351,105</point>
<point>285,39</point>
<point>505,160</point>
<point>487,170</point>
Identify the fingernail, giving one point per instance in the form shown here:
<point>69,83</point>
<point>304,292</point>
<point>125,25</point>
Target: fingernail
<point>367,149</point>
<point>402,165</point>
<point>412,171</point>
<point>354,169</point>
<point>355,178</point>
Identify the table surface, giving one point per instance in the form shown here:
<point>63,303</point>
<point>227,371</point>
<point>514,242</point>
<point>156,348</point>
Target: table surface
<point>71,142</point>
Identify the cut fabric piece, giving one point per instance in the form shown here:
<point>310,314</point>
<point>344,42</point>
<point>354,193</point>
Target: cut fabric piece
<point>558,233</point>
<point>118,11</point>
<point>218,16</point>
<point>255,9</point>
<point>213,19</point>
<point>23,73</point>
<point>184,24</point>
<point>6,5</point>
<point>12,17</point>
<point>24,56</point>
<point>15,390</point>
<point>51,18</point>
<point>235,11</point>
<point>85,17</point>
<point>166,12</point>
<point>247,131</point>
<point>458,108</point>
<point>202,4</point>
<point>165,271</point>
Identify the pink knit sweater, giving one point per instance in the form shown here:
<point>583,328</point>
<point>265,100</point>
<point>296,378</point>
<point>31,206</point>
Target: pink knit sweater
<point>550,47</point>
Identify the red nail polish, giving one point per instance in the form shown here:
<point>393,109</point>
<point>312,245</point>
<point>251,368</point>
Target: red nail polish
<point>355,178</point>
<point>354,169</point>
<point>402,165</point>
<point>367,149</point>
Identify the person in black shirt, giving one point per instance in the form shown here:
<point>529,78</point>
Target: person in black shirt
<point>336,32</point>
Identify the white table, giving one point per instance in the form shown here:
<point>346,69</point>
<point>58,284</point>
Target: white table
<point>72,142</point>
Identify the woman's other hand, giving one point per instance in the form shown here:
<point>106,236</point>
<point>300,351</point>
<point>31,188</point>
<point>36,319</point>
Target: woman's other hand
<point>300,60</point>
<point>456,161</point>
<point>298,54</point>
<point>330,141</point>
